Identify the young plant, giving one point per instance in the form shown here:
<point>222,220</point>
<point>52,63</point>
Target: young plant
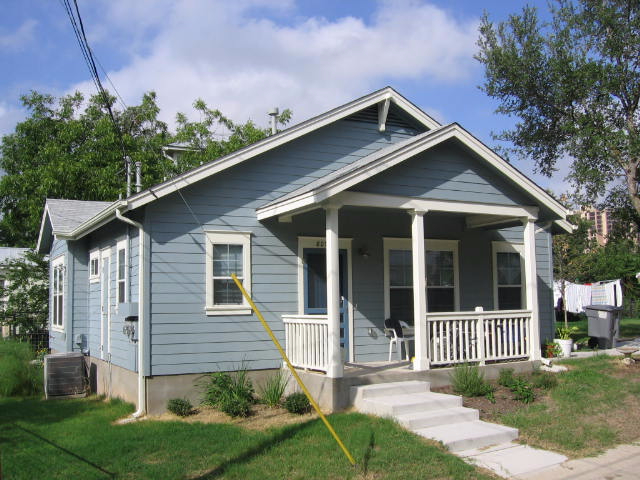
<point>273,389</point>
<point>180,406</point>
<point>551,349</point>
<point>469,381</point>
<point>564,333</point>
<point>297,403</point>
<point>522,390</point>
<point>231,393</point>
<point>506,377</point>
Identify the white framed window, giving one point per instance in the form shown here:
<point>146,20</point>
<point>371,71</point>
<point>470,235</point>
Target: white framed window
<point>508,275</point>
<point>57,290</point>
<point>122,272</point>
<point>441,259</point>
<point>227,252</point>
<point>94,266</point>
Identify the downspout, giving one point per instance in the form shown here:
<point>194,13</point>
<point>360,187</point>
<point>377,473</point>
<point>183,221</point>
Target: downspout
<point>142,387</point>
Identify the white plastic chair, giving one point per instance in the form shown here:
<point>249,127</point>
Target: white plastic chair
<point>394,330</point>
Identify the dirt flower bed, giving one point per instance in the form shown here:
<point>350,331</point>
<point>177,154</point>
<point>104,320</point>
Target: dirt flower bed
<point>262,418</point>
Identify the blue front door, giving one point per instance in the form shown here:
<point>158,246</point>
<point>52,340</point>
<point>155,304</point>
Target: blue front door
<point>315,289</point>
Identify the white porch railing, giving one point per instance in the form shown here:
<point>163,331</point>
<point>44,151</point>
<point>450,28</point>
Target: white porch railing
<point>458,337</point>
<point>307,341</point>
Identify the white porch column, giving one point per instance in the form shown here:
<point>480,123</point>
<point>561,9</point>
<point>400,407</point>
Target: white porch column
<point>421,361</point>
<point>335,367</point>
<point>531,277</point>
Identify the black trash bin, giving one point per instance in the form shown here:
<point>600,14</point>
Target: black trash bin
<point>604,323</point>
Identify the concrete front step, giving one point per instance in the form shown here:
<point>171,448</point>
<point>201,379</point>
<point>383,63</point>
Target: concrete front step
<point>468,435</point>
<point>433,418</point>
<point>383,389</point>
<point>394,405</point>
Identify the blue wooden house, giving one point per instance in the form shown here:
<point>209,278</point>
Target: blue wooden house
<point>372,210</point>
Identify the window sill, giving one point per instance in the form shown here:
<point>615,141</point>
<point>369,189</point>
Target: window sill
<point>57,329</point>
<point>229,310</point>
<point>94,280</point>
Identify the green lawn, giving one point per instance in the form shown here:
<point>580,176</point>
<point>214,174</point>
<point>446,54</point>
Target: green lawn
<point>629,328</point>
<point>595,406</point>
<point>63,439</point>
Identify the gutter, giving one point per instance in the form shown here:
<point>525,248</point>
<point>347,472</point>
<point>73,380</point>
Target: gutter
<point>142,387</point>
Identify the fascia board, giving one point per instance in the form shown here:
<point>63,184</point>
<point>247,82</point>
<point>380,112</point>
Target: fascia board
<point>566,226</point>
<point>274,141</point>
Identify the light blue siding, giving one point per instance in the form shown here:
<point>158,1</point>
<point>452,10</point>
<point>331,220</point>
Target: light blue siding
<point>228,202</point>
<point>446,172</point>
<point>57,339</point>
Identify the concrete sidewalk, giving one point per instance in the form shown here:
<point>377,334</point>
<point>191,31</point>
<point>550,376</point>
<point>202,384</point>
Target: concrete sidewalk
<point>620,463</point>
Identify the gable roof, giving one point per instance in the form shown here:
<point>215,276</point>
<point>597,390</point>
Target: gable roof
<point>63,217</point>
<point>377,162</point>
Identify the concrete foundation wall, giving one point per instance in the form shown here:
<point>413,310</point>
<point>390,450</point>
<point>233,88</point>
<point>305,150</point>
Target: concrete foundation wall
<point>111,380</point>
<point>162,388</point>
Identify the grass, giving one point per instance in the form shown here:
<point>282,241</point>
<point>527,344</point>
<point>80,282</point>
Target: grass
<point>595,406</point>
<point>18,377</point>
<point>77,439</point>
<point>629,328</point>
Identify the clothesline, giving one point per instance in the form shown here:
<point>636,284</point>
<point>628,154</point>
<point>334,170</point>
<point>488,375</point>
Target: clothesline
<point>577,296</point>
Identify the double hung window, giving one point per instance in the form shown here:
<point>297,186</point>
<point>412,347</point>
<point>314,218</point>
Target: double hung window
<point>508,275</point>
<point>57,283</point>
<point>227,253</point>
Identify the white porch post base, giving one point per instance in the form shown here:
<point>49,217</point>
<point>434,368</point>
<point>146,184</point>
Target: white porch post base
<point>532,286</point>
<point>421,360</point>
<point>335,367</point>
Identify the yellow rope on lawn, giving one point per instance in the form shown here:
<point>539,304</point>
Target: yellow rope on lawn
<point>293,370</point>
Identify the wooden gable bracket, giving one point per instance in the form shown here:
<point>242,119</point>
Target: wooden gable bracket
<point>383,111</point>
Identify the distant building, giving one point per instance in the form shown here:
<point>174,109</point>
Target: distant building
<point>601,223</point>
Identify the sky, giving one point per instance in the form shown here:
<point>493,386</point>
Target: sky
<point>245,57</point>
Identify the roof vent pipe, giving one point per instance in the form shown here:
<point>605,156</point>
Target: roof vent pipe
<point>138,176</point>
<point>274,118</point>
<point>127,161</point>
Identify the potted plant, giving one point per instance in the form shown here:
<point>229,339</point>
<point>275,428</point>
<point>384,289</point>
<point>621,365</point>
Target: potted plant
<point>564,340</point>
<point>551,349</point>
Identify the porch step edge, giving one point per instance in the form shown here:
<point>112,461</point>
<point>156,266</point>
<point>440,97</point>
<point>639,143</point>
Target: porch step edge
<point>469,435</point>
<point>433,418</point>
<point>393,405</point>
<point>359,392</point>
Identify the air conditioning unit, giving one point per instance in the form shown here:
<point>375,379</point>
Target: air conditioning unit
<point>64,375</point>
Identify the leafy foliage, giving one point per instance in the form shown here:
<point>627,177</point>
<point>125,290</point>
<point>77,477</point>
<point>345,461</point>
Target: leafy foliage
<point>232,393</point>
<point>180,406</point>
<point>273,389</point>
<point>506,377</point>
<point>18,375</point>
<point>298,403</point>
<point>522,390</point>
<point>574,85</point>
<point>27,293</point>
<point>69,148</point>
<point>469,381</point>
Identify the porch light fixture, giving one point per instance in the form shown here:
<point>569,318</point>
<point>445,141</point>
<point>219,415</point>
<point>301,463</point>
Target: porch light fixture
<point>363,252</point>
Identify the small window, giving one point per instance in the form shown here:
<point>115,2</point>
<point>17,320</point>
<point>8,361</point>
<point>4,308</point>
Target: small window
<point>94,266</point>
<point>227,253</point>
<point>122,272</point>
<point>507,267</point>
<point>57,283</point>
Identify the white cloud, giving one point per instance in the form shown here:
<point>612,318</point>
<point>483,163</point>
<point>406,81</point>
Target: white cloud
<point>245,65</point>
<point>18,38</point>
<point>9,117</point>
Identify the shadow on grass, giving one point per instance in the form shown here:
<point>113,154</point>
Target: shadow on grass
<point>62,449</point>
<point>259,449</point>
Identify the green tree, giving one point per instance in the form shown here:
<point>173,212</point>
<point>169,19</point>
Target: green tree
<point>27,292</point>
<point>65,149</point>
<point>570,255</point>
<point>215,135</point>
<point>574,85</point>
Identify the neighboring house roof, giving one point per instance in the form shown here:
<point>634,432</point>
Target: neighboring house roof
<point>356,172</point>
<point>10,253</point>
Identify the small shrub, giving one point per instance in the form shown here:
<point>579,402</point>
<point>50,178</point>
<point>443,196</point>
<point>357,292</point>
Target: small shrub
<point>468,380</point>
<point>506,377</point>
<point>297,403</point>
<point>523,390</point>
<point>490,396</point>
<point>544,380</point>
<point>273,389</point>
<point>18,375</point>
<point>180,406</point>
<point>551,349</point>
<point>231,393</point>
